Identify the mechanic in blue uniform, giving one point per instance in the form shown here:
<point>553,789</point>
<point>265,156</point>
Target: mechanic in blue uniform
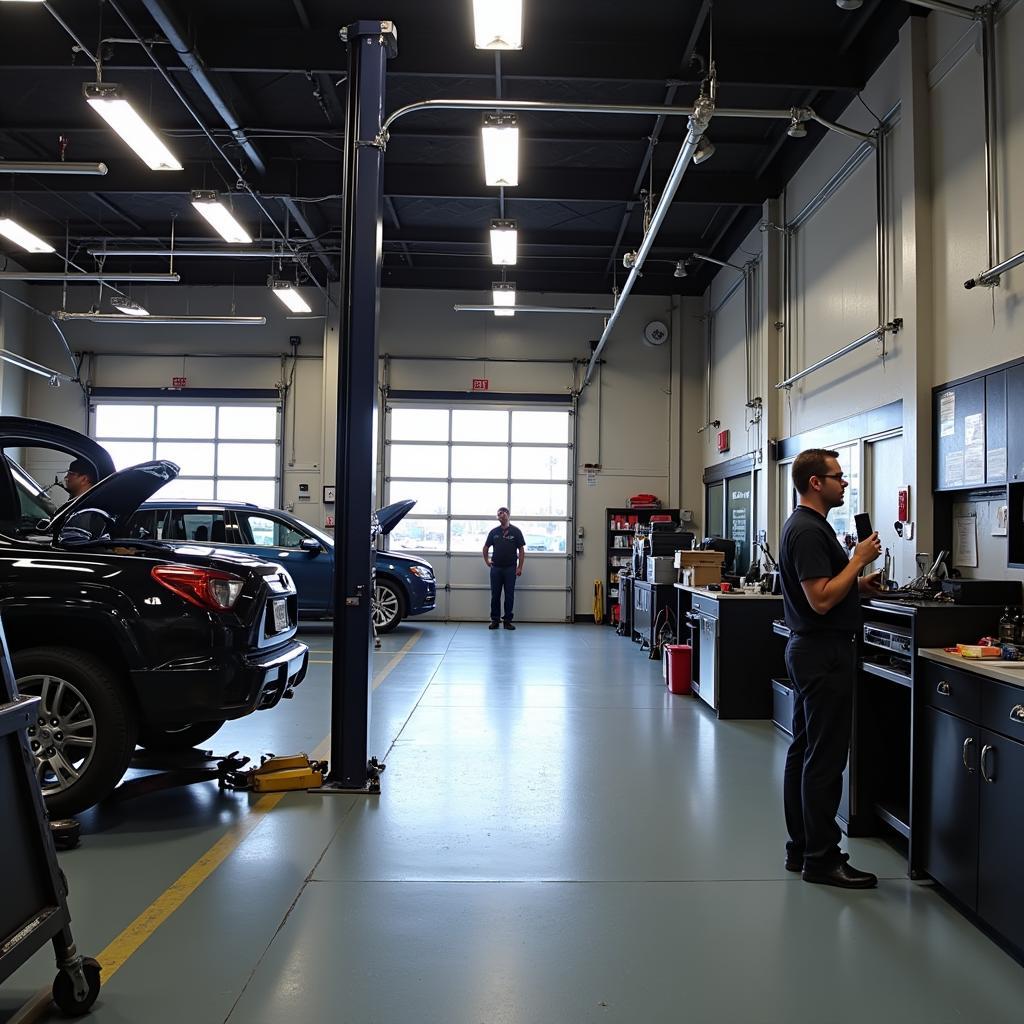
<point>506,565</point>
<point>821,589</point>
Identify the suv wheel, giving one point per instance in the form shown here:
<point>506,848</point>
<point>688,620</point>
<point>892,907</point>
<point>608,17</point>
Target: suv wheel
<point>388,606</point>
<point>84,735</point>
<point>172,739</point>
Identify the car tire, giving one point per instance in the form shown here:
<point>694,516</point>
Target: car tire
<point>175,738</point>
<point>388,605</point>
<point>82,699</point>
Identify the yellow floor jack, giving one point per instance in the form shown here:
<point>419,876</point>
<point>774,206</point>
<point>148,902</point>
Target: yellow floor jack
<point>275,774</point>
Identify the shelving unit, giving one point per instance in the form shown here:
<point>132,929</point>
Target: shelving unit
<point>618,556</point>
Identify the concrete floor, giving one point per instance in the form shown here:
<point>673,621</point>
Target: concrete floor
<point>558,840</point>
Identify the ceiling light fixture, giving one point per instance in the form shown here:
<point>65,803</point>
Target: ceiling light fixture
<point>848,5</point>
<point>498,24</point>
<point>109,102</point>
<point>705,150</point>
<point>680,270</point>
<point>503,293</point>
<point>127,306</point>
<point>51,167</point>
<point>219,217</point>
<point>287,293</point>
<point>176,321</point>
<point>797,129</point>
<point>19,236</point>
<point>504,239</point>
<point>501,150</point>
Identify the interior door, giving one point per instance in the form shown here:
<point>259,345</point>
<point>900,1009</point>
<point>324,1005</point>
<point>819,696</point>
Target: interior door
<point>885,472</point>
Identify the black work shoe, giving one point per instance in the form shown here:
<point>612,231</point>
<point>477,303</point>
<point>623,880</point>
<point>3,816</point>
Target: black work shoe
<point>794,865</point>
<point>493,625</point>
<point>842,875</point>
<point>508,625</point>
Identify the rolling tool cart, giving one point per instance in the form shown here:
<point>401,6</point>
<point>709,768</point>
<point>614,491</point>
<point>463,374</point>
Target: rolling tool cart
<point>34,908</point>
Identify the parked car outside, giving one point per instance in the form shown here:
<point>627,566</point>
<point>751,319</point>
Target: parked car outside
<point>404,585</point>
<point>128,641</point>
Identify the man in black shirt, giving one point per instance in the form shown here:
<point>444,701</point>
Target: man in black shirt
<point>506,564</point>
<point>821,592</point>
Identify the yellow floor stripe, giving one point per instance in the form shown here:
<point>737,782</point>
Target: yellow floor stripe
<point>131,938</point>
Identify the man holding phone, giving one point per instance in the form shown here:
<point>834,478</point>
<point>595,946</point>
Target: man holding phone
<point>821,590</point>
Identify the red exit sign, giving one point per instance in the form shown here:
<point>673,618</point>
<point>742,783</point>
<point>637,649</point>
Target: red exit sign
<point>481,384</point>
<point>179,382</point>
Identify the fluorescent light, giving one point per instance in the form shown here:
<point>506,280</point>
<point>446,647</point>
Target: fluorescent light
<point>127,306</point>
<point>503,243</point>
<point>501,149</point>
<point>17,234</point>
<point>155,321</point>
<point>503,293</point>
<point>289,295</point>
<point>106,99</point>
<point>220,217</point>
<point>498,24</point>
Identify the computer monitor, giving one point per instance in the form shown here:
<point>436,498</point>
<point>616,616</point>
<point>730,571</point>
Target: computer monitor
<point>727,547</point>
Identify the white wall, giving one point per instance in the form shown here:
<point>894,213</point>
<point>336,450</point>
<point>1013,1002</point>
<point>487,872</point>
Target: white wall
<point>14,328</point>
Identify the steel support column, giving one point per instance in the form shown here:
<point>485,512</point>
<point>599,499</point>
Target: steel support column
<point>370,44</point>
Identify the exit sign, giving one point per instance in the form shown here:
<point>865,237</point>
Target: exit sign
<point>481,384</point>
<point>179,382</point>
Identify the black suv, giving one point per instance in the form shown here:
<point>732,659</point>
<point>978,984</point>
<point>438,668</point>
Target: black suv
<point>128,641</point>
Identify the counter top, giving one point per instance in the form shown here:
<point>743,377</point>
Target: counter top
<point>1002,673</point>
<point>732,595</point>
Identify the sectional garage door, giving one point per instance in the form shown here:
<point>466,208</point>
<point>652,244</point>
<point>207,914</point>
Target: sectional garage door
<point>461,462</point>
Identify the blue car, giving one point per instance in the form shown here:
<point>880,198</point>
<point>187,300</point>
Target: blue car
<point>404,583</point>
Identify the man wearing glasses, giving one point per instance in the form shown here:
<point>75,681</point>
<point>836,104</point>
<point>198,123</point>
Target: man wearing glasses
<point>821,588</point>
<point>506,565</point>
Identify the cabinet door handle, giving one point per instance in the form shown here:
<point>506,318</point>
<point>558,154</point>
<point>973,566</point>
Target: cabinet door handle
<point>967,743</point>
<point>1017,714</point>
<point>943,688</point>
<point>985,750</point>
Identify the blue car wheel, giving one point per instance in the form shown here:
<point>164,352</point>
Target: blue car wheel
<point>388,606</point>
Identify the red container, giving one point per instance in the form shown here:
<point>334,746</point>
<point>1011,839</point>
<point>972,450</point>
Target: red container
<point>677,667</point>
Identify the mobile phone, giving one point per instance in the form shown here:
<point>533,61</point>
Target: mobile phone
<point>863,523</point>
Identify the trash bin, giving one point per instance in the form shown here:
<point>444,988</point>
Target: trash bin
<point>676,667</point>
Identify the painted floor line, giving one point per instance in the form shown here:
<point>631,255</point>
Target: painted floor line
<point>132,937</point>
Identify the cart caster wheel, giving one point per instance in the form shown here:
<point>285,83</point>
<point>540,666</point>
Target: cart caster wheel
<point>66,833</point>
<point>64,989</point>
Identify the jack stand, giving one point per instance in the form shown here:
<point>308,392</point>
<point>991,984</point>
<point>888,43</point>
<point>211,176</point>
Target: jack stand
<point>371,788</point>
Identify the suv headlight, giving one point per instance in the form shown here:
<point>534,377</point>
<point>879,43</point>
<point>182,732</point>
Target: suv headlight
<point>423,571</point>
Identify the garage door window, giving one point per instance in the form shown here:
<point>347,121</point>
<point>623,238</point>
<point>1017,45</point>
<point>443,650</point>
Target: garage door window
<point>460,465</point>
<point>226,451</point>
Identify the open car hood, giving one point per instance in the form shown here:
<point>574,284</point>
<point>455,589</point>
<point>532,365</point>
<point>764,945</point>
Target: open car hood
<point>105,508</point>
<point>390,516</point>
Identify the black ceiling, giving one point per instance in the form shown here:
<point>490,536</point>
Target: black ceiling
<point>280,69</point>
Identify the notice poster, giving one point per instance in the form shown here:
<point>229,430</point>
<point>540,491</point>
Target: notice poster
<point>974,449</point>
<point>954,475</point>
<point>947,413</point>
<point>965,541</point>
<point>996,464</point>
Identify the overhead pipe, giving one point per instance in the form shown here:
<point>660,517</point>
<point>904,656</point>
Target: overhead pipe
<point>176,89</point>
<point>41,275</point>
<point>54,376</point>
<point>991,276</point>
<point>177,37</point>
<point>176,34</point>
<point>698,123</point>
<point>52,167</point>
<point>988,63</point>
<point>877,334</point>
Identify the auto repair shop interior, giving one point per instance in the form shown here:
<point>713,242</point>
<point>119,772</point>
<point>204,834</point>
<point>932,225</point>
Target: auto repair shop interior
<point>280,285</point>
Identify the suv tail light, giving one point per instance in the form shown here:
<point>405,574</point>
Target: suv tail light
<point>208,588</point>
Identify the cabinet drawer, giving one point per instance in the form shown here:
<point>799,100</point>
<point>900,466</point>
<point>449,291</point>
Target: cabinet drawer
<point>952,690</point>
<point>1002,708</point>
<point>707,605</point>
